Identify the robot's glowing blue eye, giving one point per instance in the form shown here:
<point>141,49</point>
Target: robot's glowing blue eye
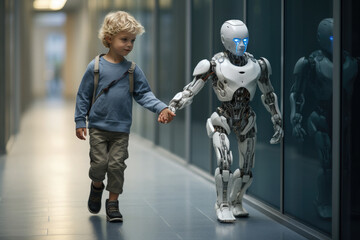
<point>245,41</point>
<point>237,40</point>
<point>331,38</point>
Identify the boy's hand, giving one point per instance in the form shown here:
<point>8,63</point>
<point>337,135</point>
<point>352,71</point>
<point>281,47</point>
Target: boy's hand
<point>166,116</point>
<point>81,133</point>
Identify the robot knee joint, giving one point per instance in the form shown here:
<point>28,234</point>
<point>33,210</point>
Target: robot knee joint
<point>222,150</point>
<point>216,122</point>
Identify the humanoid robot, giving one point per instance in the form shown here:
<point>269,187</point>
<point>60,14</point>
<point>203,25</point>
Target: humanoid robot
<point>313,82</point>
<point>234,75</point>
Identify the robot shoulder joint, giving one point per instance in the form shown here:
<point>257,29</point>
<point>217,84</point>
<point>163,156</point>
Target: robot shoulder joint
<point>265,65</point>
<point>300,65</point>
<point>202,67</point>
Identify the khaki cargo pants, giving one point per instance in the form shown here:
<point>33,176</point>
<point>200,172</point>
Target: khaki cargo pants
<point>108,152</point>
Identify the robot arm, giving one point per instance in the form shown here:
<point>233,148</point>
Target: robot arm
<point>297,99</point>
<point>269,100</point>
<point>201,73</point>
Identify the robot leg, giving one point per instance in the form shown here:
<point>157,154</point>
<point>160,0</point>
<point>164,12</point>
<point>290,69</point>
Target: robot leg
<point>323,199</point>
<point>222,205</point>
<point>240,185</point>
<point>318,129</point>
<point>242,178</point>
<point>223,174</point>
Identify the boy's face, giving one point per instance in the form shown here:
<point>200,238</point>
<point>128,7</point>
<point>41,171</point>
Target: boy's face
<point>122,43</point>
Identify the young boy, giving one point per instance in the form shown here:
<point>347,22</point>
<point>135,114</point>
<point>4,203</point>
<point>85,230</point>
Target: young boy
<point>109,118</point>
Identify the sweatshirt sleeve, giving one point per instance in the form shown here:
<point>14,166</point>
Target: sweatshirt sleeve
<point>143,94</point>
<point>84,96</point>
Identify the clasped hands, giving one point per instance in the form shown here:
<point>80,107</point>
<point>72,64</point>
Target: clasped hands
<point>166,116</point>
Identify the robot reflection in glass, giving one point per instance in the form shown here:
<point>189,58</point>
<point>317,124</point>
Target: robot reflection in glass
<point>313,82</point>
<point>234,75</point>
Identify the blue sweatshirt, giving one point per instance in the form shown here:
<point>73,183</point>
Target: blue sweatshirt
<point>112,111</point>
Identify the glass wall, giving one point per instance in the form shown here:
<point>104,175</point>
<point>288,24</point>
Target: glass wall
<point>201,29</point>
<point>4,122</point>
<point>15,52</point>
<point>161,53</point>
<point>308,112</point>
<point>350,118</point>
<point>171,70</point>
<point>144,56</point>
<point>264,24</point>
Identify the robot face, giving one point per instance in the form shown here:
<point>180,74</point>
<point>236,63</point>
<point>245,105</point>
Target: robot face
<point>325,35</point>
<point>241,45</point>
<point>235,37</point>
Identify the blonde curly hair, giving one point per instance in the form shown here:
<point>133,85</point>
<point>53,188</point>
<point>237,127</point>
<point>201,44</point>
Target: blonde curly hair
<point>116,22</point>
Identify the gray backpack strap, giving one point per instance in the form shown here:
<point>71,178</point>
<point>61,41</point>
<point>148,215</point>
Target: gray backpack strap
<point>131,77</point>
<point>96,76</point>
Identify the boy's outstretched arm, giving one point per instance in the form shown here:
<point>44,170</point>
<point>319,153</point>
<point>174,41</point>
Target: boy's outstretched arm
<point>166,116</point>
<point>81,133</point>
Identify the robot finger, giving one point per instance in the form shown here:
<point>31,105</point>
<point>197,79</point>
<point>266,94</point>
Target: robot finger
<point>276,137</point>
<point>274,140</point>
<point>172,108</point>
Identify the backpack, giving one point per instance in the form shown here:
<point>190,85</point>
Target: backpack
<point>96,79</point>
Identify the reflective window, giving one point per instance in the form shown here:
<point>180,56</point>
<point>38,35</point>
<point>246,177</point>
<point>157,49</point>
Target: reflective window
<point>171,70</point>
<point>308,112</point>
<point>144,55</point>
<point>350,118</point>
<point>200,108</point>
<point>264,24</point>
<point>161,54</point>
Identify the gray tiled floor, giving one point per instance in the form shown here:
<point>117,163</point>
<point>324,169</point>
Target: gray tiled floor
<point>44,189</point>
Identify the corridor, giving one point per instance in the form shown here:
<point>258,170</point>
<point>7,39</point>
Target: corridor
<point>44,188</point>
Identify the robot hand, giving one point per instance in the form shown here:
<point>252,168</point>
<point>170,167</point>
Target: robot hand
<point>172,107</point>
<point>279,132</point>
<point>298,130</point>
<point>181,100</point>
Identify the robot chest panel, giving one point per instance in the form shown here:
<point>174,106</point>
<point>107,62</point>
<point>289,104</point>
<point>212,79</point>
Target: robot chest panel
<point>231,78</point>
<point>322,85</point>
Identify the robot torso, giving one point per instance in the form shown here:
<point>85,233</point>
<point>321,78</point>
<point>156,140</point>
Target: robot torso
<point>323,67</point>
<point>322,84</point>
<point>231,78</point>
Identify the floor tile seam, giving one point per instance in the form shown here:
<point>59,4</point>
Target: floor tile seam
<point>25,233</point>
<point>204,214</point>
<point>157,152</point>
<point>163,219</point>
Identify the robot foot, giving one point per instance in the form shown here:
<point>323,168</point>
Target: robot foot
<point>224,213</point>
<point>239,211</point>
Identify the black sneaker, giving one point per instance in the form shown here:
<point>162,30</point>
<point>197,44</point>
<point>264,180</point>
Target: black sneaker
<point>94,202</point>
<point>112,211</point>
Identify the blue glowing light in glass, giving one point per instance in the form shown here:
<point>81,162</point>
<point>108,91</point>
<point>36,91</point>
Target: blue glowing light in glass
<point>331,38</point>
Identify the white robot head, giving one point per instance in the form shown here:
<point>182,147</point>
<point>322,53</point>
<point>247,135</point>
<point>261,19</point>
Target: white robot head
<point>325,35</point>
<point>235,36</point>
